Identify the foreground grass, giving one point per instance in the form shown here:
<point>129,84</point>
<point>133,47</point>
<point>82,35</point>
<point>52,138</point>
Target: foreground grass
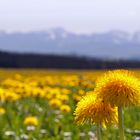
<point>29,93</point>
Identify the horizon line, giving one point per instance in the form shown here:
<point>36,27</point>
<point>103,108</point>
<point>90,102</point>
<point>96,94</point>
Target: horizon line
<point>66,30</point>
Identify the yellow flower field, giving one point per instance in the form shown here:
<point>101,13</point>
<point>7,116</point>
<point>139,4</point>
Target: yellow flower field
<point>39,105</point>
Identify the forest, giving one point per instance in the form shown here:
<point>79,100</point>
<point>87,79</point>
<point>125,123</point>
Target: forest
<point>26,60</point>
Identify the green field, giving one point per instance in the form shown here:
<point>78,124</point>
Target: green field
<point>39,105</point>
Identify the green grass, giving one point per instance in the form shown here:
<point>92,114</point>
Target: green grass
<point>53,124</point>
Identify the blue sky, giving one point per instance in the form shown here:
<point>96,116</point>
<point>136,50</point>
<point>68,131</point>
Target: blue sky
<point>80,16</point>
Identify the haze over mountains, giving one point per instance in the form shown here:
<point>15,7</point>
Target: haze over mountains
<point>112,44</point>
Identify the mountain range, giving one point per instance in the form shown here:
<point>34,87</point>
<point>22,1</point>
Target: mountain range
<point>110,45</point>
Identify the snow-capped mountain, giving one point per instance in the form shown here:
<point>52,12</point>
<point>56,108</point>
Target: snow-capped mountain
<point>113,44</point>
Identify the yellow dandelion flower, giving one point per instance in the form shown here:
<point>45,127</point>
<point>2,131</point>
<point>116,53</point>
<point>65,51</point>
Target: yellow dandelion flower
<point>90,110</point>
<point>2,95</point>
<point>31,121</point>
<point>11,96</point>
<point>77,97</point>
<point>119,87</point>
<point>2,111</point>
<point>89,92</point>
<point>65,108</point>
<point>55,103</point>
<point>64,98</point>
<point>65,91</point>
<point>81,92</point>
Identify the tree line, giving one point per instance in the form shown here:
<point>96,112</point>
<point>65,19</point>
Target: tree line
<point>18,60</point>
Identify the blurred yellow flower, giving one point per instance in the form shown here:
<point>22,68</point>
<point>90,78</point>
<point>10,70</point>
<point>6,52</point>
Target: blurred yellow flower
<point>31,121</point>
<point>55,103</point>
<point>11,96</point>
<point>119,88</point>
<point>90,110</point>
<point>64,98</point>
<point>81,92</point>
<point>2,111</point>
<point>77,97</point>
<point>65,91</point>
<point>65,108</point>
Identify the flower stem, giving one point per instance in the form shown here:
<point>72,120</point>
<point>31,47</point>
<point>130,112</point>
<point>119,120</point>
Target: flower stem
<point>98,132</point>
<point>121,125</point>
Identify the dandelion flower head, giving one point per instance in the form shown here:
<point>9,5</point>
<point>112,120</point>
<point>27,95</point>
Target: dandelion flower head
<point>2,111</point>
<point>65,108</point>
<point>31,121</point>
<point>90,110</point>
<point>119,88</point>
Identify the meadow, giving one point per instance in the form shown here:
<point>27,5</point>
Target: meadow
<point>39,105</point>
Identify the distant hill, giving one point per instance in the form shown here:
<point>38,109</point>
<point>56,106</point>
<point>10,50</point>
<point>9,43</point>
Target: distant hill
<point>113,44</point>
<point>17,60</point>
